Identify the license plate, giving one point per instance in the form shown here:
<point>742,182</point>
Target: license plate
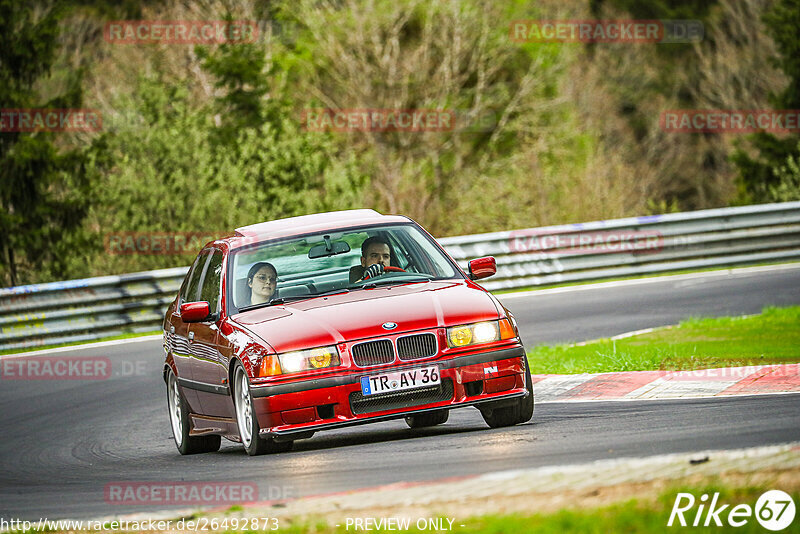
<point>400,380</point>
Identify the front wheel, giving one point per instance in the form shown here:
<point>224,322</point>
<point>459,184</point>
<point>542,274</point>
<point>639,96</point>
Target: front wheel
<point>518,413</point>
<point>247,421</point>
<point>179,419</point>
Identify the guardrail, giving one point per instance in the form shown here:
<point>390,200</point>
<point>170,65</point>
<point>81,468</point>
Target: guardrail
<point>82,310</point>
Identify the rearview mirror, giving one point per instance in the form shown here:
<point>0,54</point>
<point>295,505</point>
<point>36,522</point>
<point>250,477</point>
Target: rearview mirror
<point>329,248</point>
<point>194,312</point>
<point>482,267</point>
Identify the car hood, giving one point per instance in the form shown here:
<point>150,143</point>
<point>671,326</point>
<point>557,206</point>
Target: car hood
<point>361,314</point>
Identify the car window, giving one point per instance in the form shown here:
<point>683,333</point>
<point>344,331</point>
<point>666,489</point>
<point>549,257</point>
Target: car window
<point>211,281</point>
<point>400,255</point>
<point>302,275</point>
<point>192,282</point>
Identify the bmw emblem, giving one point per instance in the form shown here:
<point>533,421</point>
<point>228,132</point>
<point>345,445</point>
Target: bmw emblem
<point>389,326</point>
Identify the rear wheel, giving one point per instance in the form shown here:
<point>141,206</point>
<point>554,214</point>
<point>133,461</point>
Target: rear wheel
<point>427,419</point>
<point>515,414</point>
<point>247,421</point>
<point>179,419</point>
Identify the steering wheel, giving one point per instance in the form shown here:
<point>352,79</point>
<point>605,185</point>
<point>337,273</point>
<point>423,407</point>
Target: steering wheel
<point>389,269</point>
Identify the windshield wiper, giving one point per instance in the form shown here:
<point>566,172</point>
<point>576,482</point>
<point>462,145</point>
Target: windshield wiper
<point>293,298</point>
<point>326,293</point>
<point>273,302</point>
<point>371,284</point>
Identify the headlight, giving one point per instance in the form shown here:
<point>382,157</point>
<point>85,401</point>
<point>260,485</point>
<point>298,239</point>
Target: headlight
<point>265,364</point>
<point>479,333</point>
<point>303,360</point>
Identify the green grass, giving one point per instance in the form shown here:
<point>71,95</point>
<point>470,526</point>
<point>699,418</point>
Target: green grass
<point>768,338</point>
<point>73,343</point>
<point>630,516</point>
<point>643,515</point>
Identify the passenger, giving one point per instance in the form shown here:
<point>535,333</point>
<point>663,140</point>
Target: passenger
<point>262,280</point>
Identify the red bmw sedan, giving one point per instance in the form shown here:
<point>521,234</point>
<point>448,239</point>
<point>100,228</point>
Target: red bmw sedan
<point>313,323</point>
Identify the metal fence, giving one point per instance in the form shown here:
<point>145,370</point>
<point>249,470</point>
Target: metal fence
<point>79,310</point>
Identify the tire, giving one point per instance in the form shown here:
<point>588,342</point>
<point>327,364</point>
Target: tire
<point>246,419</point>
<point>427,419</point>
<point>516,414</point>
<point>179,420</point>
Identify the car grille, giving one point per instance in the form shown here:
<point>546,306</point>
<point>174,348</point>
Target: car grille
<point>360,404</point>
<point>416,346</point>
<point>373,352</point>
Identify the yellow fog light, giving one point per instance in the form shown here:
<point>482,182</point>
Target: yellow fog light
<point>320,358</point>
<point>460,336</point>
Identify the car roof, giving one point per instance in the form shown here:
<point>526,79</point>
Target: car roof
<point>305,224</point>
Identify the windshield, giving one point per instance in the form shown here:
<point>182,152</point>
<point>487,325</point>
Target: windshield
<point>280,271</point>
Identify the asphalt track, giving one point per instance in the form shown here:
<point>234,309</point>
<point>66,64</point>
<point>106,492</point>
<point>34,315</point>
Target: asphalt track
<point>63,441</point>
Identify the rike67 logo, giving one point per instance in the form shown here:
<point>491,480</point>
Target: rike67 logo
<point>774,510</point>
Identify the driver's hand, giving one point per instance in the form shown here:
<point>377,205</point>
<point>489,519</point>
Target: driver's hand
<point>376,269</point>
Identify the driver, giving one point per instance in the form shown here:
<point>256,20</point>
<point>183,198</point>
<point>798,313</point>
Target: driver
<point>375,256</point>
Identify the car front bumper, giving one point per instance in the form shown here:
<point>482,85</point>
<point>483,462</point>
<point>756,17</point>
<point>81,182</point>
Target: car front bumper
<point>298,409</point>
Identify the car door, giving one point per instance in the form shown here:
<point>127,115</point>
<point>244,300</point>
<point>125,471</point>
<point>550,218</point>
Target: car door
<point>209,364</point>
<point>178,334</point>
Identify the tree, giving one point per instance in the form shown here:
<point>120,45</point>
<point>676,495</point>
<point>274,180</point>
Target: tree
<point>788,177</point>
<point>41,189</point>
<point>759,168</point>
<point>240,75</point>
<point>212,166</point>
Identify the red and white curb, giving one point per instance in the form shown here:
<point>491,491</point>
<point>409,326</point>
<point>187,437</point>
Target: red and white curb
<point>656,385</point>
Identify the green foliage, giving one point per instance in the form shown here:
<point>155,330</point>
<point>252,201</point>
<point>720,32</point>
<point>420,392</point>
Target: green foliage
<point>27,49</point>
<point>659,9</point>
<point>43,193</point>
<point>444,56</point>
<point>678,53</point>
<point>239,70</point>
<point>759,168</point>
<point>662,206</point>
<point>788,176</point>
<point>205,139</point>
<point>757,158</point>
<point>783,20</point>
<point>170,171</point>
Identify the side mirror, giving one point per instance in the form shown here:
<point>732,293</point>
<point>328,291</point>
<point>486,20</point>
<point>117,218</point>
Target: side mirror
<point>482,267</point>
<point>194,312</point>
